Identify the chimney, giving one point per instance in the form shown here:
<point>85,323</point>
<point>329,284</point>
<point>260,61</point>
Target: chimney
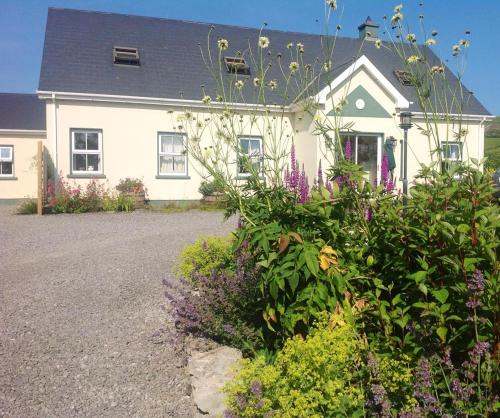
<point>368,30</point>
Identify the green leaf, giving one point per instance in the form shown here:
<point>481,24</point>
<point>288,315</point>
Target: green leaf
<point>441,295</point>
<point>423,288</point>
<point>293,281</point>
<point>441,332</point>
<point>463,228</point>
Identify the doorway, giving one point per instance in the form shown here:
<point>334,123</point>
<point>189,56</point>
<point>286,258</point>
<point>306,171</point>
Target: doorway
<point>366,151</point>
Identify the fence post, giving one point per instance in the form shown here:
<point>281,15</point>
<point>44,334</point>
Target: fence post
<point>40,162</point>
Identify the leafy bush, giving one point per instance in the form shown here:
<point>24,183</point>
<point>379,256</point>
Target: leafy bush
<point>328,373</point>
<point>208,188</point>
<point>204,256</point>
<point>130,185</point>
<point>223,307</point>
<point>27,207</point>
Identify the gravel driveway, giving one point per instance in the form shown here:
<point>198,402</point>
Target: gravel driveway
<point>82,329</point>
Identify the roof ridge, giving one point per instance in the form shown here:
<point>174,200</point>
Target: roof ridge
<point>265,28</point>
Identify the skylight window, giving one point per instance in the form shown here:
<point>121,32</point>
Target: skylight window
<point>126,56</point>
<point>404,77</point>
<point>237,65</point>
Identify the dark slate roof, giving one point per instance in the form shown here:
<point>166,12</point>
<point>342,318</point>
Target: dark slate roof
<point>77,56</point>
<point>22,111</point>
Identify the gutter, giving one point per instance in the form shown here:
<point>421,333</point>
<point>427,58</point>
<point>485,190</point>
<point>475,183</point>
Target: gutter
<point>157,101</point>
<point>480,118</point>
<point>56,166</point>
<point>30,132</point>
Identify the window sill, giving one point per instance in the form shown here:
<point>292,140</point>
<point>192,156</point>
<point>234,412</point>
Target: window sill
<point>247,177</point>
<point>7,178</point>
<point>165,176</point>
<point>86,176</point>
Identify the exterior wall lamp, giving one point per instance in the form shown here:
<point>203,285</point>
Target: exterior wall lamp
<point>405,124</point>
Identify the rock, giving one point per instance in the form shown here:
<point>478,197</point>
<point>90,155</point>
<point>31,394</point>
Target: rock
<point>209,372</point>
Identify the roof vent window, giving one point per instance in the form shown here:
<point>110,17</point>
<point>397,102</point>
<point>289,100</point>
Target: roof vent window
<point>237,65</point>
<point>405,77</point>
<point>126,56</point>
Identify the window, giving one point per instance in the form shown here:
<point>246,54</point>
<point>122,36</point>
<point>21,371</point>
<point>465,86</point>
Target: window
<point>86,152</point>
<point>236,65</point>
<point>250,153</point>
<point>451,153</point>
<point>126,56</point>
<point>172,156</point>
<point>6,161</point>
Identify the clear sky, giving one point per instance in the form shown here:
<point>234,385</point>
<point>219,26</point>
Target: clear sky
<point>22,26</point>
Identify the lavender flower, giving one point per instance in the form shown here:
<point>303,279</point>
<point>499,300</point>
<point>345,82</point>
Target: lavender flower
<point>241,402</point>
<point>384,170</point>
<point>476,282</point>
<point>423,385</point>
<point>368,214</point>
<point>256,389</point>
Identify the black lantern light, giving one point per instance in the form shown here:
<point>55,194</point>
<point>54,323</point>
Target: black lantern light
<point>405,124</point>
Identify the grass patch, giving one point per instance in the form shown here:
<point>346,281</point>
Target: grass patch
<point>27,207</point>
<point>492,151</point>
<point>186,206</point>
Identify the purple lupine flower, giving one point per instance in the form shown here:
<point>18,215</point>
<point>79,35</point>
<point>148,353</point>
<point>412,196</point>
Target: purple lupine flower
<point>389,187</point>
<point>259,404</point>
<point>229,414</point>
<point>368,214</point>
<point>287,177</point>
<point>303,187</point>
<point>384,170</point>
<point>479,350</point>
<point>294,173</point>
<point>348,149</point>
<point>320,174</point>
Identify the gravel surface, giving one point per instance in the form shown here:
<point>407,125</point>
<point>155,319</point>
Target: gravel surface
<point>83,329</point>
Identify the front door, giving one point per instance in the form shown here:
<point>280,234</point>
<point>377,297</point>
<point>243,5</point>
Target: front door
<point>366,151</point>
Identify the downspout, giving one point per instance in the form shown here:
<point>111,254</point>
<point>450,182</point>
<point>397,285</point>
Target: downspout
<point>56,159</point>
<point>480,140</point>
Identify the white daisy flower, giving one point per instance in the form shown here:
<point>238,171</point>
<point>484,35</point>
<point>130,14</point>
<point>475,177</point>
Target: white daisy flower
<point>455,49</point>
<point>378,44</point>
<point>289,45</point>
<point>223,44</point>
<point>239,84</point>
<point>413,59</point>
<point>332,3</point>
<point>464,43</point>
<point>397,17</point>
<point>430,42</point>
<point>273,84</point>
<point>300,47</point>
<point>398,8</point>
<point>206,99</point>
<point>256,81</point>
<point>411,37</point>
<point>294,66</point>
<point>264,42</point>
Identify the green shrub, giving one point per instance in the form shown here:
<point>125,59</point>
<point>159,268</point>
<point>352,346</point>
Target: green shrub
<point>27,207</point>
<point>205,255</point>
<point>208,188</point>
<point>330,373</point>
<point>120,203</point>
<point>130,185</point>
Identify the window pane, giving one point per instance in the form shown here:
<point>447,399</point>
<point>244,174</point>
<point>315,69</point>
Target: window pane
<point>79,162</point>
<point>6,153</point>
<point>244,146</point>
<point>5,168</point>
<point>80,142</point>
<point>254,147</point>
<point>166,144</point>
<point>179,164</point>
<point>451,151</point>
<point>93,141</point>
<point>93,162</point>
<point>178,147</point>
<point>166,164</point>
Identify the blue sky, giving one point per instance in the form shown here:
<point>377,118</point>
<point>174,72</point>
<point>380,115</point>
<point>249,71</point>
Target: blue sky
<point>22,26</point>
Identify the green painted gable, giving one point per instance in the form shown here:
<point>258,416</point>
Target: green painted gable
<point>372,109</point>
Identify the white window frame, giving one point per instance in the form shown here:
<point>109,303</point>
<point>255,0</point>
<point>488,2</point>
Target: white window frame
<point>172,154</point>
<point>87,152</point>
<point>450,144</point>
<point>260,156</point>
<point>9,159</point>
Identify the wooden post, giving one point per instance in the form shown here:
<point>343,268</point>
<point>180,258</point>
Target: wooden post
<point>39,162</point>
